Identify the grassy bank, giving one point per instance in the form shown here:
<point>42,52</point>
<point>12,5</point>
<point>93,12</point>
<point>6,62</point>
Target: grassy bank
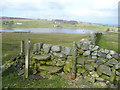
<point>49,24</point>
<point>11,46</point>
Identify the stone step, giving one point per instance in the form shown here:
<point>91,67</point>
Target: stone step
<point>50,69</point>
<point>41,57</point>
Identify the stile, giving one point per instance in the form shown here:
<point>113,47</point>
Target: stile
<point>74,61</point>
<point>22,47</point>
<point>27,59</point>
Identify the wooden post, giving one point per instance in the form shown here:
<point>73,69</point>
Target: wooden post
<point>74,61</point>
<point>22,47</point>
<point>27,59</point>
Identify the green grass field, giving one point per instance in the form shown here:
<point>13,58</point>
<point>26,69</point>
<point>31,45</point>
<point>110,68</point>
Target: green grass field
<point>11,47</point>
<point>11,41</point>
<point>49,24</point>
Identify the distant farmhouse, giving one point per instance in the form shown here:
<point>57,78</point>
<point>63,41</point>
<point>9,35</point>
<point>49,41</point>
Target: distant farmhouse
<point>58,21</point>
<point>10,23</point>
<point>18,23</point>
<point>7,22</point>
<point>56,26</point>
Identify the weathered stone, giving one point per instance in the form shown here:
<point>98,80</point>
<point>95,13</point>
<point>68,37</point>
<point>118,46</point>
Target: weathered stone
<point>95,48</point>
<point>46,48</point>
<point>78,65</point>
<point>21,72</point>
<point>86,53</point>
<point>116,56</point>
<point>94,57</point>
<point>98,71</point>
<point>104,69</point>
<point>36,65</point>
<point>32,62</point>
<point>60,63</point>
<point>69,58</point>
<point>94,64</point>
<point>94,74</point>
<point>112,62</point>
<point>91,47</point>
<point>89,79</point>
<point>66,50</point>
<point>105,77</point>
<point>89,61</point>
<point>42,62</point>
<point>89,67</point>
<point>37,46</point>
<point>94,53</point>
<point>117,73</point>
<point>41,57</point>
<point>100,54</point>
<point>117,78</point>
<point>85,44</point>
<point>56,48</point>
<point>59,55</point>
<point>99,79</point>
<point>101,61</point>
<point>80,60</point>
<point>68,65</point>
<point>113,75</point>
<point>108,56</point>
<point>103,84</point>
<point>67,68</point>
<point>112,52</point>
<point>62,59</point>
<point>102,50</point>
<point>52,62</point>
<point>50,69</point>
<point>80,52</point>
<point>117,66</point>
<point>44,74</point>
<point>34,71</point>
<point>80,70</point>
<point>93,38</point>
<point>106,51</point>
<point>78,45</point>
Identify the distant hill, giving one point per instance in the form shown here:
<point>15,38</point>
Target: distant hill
<point>12,18</point>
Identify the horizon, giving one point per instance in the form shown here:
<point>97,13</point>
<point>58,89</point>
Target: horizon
<point>60,19</point>
<point>94,11</point>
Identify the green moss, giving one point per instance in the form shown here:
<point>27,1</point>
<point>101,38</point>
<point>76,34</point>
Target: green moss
<point>80,70</point>
<point>42,62</point>
<point>67,68</point>
<point>113,75</point>
<point>80,52</point>
<point>105,77</point>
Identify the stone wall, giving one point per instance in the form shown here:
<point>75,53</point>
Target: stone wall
<point>93,63</point>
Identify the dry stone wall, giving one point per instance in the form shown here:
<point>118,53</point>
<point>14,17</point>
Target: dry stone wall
<point>93,63</point>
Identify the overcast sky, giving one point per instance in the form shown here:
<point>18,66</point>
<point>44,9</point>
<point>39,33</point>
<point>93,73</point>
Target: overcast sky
<point>96,11</point>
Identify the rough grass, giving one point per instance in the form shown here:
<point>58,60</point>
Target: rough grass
<point>53,38</point>
<point>109,41</point>
<point>12,80</point>
<point>11,41</point>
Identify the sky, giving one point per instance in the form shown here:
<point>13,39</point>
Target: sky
<point>95,11</point>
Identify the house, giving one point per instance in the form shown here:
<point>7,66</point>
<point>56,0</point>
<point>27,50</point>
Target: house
<point>18,23</point>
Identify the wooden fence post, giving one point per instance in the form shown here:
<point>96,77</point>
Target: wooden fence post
<point>22,47</point>
<point>27,59</point>
<point>74,61</point>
